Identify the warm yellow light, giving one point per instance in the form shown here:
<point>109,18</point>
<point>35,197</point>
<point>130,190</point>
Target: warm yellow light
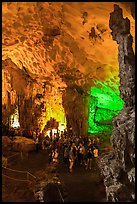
<point>48,133</point>
<point>15,119</point>
<point>55,110</point>
<point>62,127</point>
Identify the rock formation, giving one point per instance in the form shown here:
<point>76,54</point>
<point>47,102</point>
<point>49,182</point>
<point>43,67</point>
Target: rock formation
<point>50,56</point>
<point>118,167</point>
<point>22,144</point>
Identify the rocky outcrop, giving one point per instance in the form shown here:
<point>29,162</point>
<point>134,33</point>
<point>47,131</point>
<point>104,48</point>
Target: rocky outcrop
<point>6,142</point>
<point>23,144</point>
<point>48,187</point>
<point>75,104</point>
<point>118,167</point>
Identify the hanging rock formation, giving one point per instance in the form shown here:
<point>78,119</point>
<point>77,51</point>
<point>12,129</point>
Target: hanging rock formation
<point>118,167</point>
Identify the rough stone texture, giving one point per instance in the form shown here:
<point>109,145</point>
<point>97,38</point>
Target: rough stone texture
<point>6,141</point>
<point>4,161</point>
<point>23,144</point>
<point>45,188</point>
<point>118,167</point>
<point>47,51</point>
<point>74,105</point>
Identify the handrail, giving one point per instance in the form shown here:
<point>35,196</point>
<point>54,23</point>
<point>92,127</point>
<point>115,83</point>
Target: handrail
<point>26,172</point>
<point>31,175</point>
<point>12,155</point>
<point>13,169</point>
<point>60,194</point>
<point>14,178</point>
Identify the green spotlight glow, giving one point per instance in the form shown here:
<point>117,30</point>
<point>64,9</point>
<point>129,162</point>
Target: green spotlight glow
<point>104,104</point>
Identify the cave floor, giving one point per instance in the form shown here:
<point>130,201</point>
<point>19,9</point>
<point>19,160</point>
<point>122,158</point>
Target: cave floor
<point>76,184</point>
<point>17,191</point>
<point>82,185</point>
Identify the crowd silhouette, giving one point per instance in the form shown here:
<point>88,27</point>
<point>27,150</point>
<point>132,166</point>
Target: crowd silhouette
<point>72,149</point>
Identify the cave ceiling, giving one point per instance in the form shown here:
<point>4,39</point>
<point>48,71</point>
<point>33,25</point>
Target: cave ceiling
<point>44,36</point>
<point>58,45</point>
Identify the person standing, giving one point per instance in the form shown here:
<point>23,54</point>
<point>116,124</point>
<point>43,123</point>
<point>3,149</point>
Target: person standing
<point>95,152</point>
<point>71,158</point>
<point>65,153</point>
<point>37,144</point>
<point>81,152</point>
<point>55,156</point>
<point>89,155</point>
<point>50,152</point>
<point>44,144</point>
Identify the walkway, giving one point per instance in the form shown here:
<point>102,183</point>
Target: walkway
<point>82,185</point>
<point>17,191</point>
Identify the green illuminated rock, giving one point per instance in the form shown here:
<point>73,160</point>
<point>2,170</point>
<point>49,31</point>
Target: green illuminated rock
<point>105,103</point>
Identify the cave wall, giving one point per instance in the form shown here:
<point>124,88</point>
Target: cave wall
<point>47,52</point>
<point>75,104</point>
<point>22,91</point>
<point>118,167</point>
<point>105,103</point>
<point>37,99</point>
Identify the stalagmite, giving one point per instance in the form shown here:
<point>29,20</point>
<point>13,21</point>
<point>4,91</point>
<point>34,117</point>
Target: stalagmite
<point>118,167</point>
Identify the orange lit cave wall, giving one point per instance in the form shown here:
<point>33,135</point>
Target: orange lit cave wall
<point>18,89</point>
<point>76,109</point>
<point>51,60</point>
<point>37,99</point>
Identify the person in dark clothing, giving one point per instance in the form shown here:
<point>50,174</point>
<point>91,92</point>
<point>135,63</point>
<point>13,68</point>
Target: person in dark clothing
<point>65,153</point>
<point>81,152</point>
<point>50,151</point>
<point>89,156</point>
<point>97,144</point>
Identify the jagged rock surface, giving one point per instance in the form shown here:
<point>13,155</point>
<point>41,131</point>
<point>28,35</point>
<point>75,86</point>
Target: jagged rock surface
<point>47,185</point>
<point>49,55</point>
<point>118,167</point>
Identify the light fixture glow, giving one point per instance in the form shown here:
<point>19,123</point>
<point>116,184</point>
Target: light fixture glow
<point>14,118</point>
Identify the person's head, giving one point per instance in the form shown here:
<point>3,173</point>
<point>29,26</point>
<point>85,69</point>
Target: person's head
<point>89,142</point>
<point>73,144</point>
<point>80,144</point>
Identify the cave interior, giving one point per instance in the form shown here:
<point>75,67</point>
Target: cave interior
<point>62,71</point>
<point>57,68</point>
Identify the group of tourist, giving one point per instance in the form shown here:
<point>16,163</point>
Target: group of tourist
<point>72,149</point>
<point>75,150</point>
